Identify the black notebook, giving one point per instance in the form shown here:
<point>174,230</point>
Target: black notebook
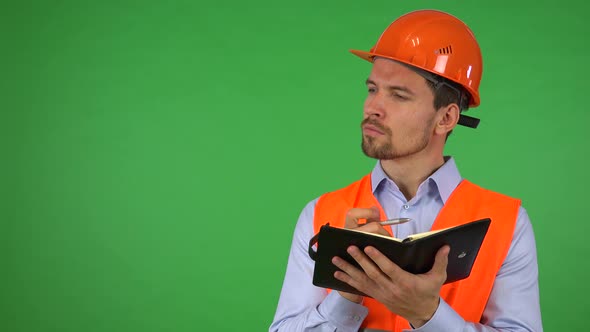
<point>414,254</point>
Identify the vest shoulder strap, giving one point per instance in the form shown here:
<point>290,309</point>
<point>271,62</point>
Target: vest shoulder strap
<point>332,207</point>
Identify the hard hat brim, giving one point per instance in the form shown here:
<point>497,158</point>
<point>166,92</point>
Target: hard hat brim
<point>363,55</point>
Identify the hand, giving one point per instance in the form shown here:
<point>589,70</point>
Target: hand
<point>371,214</point>
<point>412,296</point>
<point>351,222</point>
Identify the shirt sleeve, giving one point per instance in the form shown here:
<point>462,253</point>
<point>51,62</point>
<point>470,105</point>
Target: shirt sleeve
<point>514,301</point>
<point>303,306</point>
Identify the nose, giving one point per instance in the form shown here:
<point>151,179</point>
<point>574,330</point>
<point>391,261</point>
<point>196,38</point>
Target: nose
<point>374,106</point>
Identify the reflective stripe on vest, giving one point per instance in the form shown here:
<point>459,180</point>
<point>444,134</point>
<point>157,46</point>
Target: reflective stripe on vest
<point>468,202</point>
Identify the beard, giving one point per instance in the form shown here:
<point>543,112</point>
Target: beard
<point>382,148</point>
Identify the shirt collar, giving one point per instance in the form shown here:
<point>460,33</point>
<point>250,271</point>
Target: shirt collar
<point>446,178</point>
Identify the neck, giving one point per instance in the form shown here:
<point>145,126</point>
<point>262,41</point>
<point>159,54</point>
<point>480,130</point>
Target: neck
<point>409,172</point>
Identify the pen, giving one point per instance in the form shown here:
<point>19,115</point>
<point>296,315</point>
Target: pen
<point>394,221</point>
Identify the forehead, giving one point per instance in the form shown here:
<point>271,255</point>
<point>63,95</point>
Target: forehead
<point>390,71</point>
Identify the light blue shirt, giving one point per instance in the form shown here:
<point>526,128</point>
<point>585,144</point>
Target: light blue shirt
<point>514,301</point>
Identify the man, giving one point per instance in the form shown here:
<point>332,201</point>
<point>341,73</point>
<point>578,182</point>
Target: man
<point>426,69</point>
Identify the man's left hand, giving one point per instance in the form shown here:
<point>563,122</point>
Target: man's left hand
<point>412,296</point>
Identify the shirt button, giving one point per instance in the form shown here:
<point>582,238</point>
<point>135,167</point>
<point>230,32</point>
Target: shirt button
<point>406,206</point>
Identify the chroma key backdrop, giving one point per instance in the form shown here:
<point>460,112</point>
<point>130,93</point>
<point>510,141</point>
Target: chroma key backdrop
<point>156,154</point>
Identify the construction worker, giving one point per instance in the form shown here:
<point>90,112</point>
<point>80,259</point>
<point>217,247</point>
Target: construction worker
<point>426,71</point>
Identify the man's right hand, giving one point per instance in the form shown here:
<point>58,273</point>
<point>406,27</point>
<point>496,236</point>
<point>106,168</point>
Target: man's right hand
<point>352,221</point>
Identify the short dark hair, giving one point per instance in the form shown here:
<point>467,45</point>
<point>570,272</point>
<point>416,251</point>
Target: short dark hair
<point>445,91</point>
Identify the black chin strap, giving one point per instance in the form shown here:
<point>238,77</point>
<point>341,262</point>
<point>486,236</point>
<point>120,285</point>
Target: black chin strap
<point>468,121</point>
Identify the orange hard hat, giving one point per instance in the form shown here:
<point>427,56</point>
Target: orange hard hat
<point>436,42</point>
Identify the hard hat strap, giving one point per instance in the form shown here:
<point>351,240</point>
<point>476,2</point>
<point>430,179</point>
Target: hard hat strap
<point>468,121</point>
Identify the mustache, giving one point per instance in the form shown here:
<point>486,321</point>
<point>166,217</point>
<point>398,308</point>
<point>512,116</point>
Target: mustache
<point>376,124</point>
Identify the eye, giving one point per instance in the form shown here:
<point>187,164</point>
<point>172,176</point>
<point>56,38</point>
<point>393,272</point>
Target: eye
<point>371,89</point>
<point>399,97</point>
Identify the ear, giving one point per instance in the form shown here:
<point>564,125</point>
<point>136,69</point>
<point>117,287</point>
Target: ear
<point>447,119</point>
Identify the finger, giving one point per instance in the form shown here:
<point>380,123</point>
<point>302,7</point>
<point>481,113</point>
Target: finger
<point>389,268</point>
<point>342,276</point>
<point>376,216</point>
<point>354,215</point>
<point>441,261</point>
<point>349,272</point>
<point>369,267</point>
<point>374,227</point>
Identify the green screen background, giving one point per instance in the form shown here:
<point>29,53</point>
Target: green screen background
<point>156,154</point>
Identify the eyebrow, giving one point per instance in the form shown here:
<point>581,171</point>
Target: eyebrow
<point>392,87</point>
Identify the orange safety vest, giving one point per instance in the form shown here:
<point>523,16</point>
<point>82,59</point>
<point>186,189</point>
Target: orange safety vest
<point>468,202</point>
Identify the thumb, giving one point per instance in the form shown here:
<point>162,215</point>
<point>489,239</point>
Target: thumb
<point>440,262</point>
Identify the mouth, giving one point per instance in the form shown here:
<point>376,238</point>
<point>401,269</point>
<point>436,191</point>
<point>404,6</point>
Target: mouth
<point>372,130</point>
